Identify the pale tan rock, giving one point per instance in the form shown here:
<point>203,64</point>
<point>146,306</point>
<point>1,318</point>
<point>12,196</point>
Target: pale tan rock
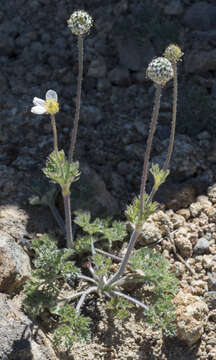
<point>182,242</point>
<point>203,219</point>
<point>204,200</point>
<point>212,193</point>
<point>195,209</point>
<point>14,264</point>
<point>184,212</point>
<point>192,314</point>
<point>207,261</point>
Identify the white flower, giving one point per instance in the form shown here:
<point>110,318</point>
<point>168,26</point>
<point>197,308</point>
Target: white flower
<point>48,106</point>
<point>80,22</point>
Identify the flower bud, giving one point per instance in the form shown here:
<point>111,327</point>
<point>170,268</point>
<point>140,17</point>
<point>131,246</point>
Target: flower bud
<point>160,71</point>
<point>80,22</point>
<point>173,53</point>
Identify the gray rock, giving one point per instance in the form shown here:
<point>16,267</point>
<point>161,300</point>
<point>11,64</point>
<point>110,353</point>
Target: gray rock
<point>212,282</point>
<point>19,339</point>
<point>119,76</point>
<point>123,168</point>
<point>97,68</point>
<point>186,157</point>
<point>117,181</point>
<point>139,77</point>
<point>6,46</point>
<point>201,16</point>
<point>90,115</point>
<point>200,61</point>
<point>141,127</point>
<point>24,162</point>
<point>90,193</point>
<point>103,84</point>
<point>7,180</point>
<point>210,299</point>
<point>174,8</point>
<point>14,264</point>
<point>202,246</point>
<point>133,55</point>
<point>135,151</point>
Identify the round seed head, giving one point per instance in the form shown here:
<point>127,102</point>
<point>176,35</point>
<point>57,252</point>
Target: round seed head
<point>160,71</point>
<point>80,22</point>
<point>173,53</point>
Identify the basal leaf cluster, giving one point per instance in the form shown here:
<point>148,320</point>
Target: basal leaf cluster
<point>72,327</point>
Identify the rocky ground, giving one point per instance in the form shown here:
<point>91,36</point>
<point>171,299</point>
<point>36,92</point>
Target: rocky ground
<point>37,53</point>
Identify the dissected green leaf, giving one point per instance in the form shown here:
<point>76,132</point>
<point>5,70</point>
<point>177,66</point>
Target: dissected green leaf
<point>73,327</point>
<point>155,270</point>
<point>103,229</point>
<point>83,219</point>
<point>120,307</point>
<point>60,171</point>
<point>159,175</point>
<point>102,265</point>
<point>133,211</point>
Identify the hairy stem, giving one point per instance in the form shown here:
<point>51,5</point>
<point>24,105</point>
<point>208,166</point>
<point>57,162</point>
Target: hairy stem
<point>172,134</point>
<point>125,259</point>
<point>82,299</point>
<point>174,111</point>
<point>149,145</point>
<point>68,223</point>
<point>131,299</point>
<point>72,297</point>
<point>54,134</point>
<point>105,253</point>
<point>87,278</point>
<point>78,99</point>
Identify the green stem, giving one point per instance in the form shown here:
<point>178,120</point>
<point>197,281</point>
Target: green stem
<point>131,299</point>
<point>78,99</point>
<point>68,223</point>
<point>82,299</point>
<point>54,134</point>
<point>125,259</point>
<point>149,145</point>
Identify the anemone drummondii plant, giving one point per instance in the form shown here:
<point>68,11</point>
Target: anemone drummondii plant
<point>144,265</point>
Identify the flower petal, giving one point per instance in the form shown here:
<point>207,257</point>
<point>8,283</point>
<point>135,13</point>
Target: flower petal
<point>37,101</point>
<point>38,110</point>
<point>51,94</point>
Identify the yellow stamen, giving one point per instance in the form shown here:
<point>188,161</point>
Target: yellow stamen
<point>51,106</point>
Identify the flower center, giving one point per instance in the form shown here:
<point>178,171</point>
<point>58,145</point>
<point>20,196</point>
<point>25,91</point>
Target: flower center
<point>51,106</point>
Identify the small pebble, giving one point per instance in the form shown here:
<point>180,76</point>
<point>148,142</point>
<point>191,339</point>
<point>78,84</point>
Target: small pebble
<point>202,246</point>
<point>212,282</point>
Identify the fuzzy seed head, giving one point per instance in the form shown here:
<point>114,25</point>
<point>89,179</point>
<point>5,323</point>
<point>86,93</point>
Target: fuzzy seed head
<point>51,106</point>
<point>173,53</point>
<point>160,71</point>
<point>80,22</point>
